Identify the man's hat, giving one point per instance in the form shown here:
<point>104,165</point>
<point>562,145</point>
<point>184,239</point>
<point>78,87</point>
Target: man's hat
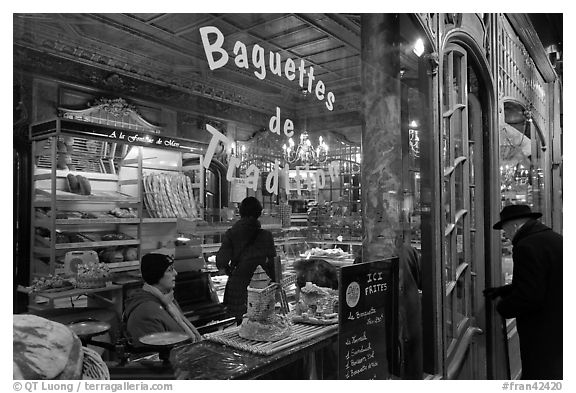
<point>513,212</point>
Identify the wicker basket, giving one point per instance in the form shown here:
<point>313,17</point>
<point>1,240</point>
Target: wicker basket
<point>85,282</point>
<point>93,367</point>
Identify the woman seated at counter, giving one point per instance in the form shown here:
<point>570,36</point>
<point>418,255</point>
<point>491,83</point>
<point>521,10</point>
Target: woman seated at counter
<point>153,308</point>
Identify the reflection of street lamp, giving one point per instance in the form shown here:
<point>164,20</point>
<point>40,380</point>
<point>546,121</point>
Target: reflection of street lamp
<point>418,47</point>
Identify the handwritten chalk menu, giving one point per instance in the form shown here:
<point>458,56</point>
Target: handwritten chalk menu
<point>366,315</point>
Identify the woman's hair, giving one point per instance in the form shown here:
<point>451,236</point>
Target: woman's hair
<point>250,207</point>
<point>317,271</point>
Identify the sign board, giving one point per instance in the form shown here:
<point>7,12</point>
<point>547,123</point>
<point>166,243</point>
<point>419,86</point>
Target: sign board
<point>238,190</point>
<point>129,137</point>
<point>367,319</point>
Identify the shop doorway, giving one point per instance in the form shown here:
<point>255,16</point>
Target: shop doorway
<point>464,118</point>
<point>522,181</point>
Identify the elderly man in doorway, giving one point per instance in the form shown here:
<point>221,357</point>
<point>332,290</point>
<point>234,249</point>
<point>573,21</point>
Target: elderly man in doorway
<point>534,297</point>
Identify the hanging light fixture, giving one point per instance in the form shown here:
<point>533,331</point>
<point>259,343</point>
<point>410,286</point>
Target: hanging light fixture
<point>414,138</point>
<point>305,153</point>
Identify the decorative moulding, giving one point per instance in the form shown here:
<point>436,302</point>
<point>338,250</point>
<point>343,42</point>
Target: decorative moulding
<point>114,112</point>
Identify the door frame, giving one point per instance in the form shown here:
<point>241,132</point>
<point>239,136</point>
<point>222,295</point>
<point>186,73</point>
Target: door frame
<point>485,272</point>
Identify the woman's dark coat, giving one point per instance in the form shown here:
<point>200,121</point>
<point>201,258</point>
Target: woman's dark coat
<point>145,314</point>
<point>261,252</point>
<point>535,299</point>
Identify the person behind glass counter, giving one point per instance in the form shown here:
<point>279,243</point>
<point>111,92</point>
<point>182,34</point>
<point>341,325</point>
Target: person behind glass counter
<point>244,246</point>
<point>534,297</point>
<point>153,309</point>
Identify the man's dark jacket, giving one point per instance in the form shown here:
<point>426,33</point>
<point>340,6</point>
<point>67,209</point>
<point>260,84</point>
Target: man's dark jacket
<point>261,252</point>
<point>535,299</point>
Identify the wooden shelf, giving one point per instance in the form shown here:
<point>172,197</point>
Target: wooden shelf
<point>115,267</point>
<point>210,247</point>
<point>94,221</point>
<point>335,241</point>
<point>210,230</point>
<point>160,168</point>
<point>123,266</point>
<point>95,196</point>
<point>44,174</point>
<point>215,229</point>
<point>110,243</point>
<point>77,292</point>
<point>45,251</point>
<point>150,220</point>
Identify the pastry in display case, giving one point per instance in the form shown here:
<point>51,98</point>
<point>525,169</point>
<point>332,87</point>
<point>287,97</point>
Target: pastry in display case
<point>93,275</point>
<point>317,305</point>
<point>261,323</point>
<point>330,253</point>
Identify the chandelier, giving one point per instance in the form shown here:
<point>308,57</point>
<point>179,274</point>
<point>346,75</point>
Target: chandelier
<point>305,153</point>
<point>414,139</point>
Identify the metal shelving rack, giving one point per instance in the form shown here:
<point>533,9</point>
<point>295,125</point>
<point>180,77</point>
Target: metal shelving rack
<point>113,156</point>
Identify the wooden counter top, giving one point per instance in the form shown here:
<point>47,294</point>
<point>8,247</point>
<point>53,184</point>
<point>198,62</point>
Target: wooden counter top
<point>211,360</point>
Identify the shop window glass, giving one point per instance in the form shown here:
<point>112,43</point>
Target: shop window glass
<point>459,187</point>
<point>448,314</point>
<point>521,169</point>
<point>461,298</point>
<point>537,176</point>
<point>471,166</point>
<point>462,142</point>
<point>515,156</point>
<point>457,86</point>
<point>456,133</point>
<point>447,75</point>
<point>472,214</point>
<point>460,239</point>
<point>447,204</point>
<point>446,144</point>
<point>447,259</point>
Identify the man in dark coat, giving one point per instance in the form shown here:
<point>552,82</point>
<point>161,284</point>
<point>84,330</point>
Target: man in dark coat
<point>534,297</point>
<point>244,246</point>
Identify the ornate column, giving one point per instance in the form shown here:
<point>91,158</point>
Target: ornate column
<point>381,142</point>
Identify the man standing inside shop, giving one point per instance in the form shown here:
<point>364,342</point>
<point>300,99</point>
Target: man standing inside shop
<point>534,297</point>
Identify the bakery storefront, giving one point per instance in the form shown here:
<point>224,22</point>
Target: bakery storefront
<point>368,139</point>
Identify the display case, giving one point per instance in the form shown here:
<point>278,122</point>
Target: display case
<point>101,184</point>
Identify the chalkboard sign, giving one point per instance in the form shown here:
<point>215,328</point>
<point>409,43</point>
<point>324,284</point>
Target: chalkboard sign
<point>367,308</point>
